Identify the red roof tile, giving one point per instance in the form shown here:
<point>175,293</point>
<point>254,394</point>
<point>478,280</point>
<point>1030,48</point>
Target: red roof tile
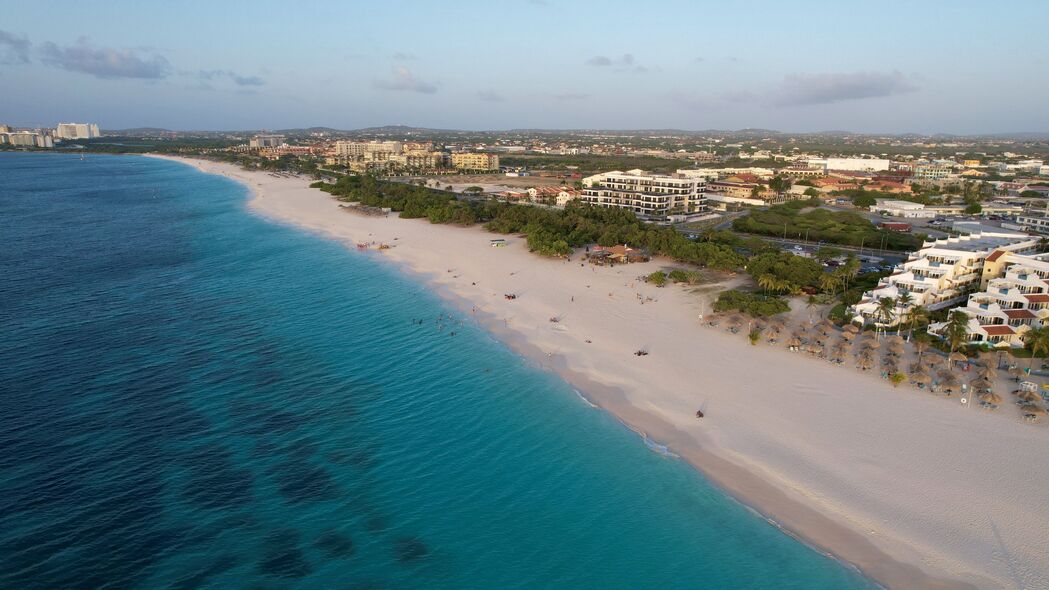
<point>998,330</point>
<point>1019,314</point>
<point>1038,298</point>
<point>995,255</point>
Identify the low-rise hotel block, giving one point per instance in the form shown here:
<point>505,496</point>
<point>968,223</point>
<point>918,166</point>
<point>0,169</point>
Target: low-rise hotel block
<point>474,161</point>
<point>645,194</point>
<point>1014,298</point>
<point>941,274</point>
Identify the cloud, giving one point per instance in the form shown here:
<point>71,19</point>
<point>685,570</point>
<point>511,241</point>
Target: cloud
<point>699,60</point>
<point>230,75</point>
<point>571,96</point>
<point>14,49</point>
<point>405,81</point>
<point>623,63</point>
<point>401,56</point>
<point>813,89</point>
<point>104,62</point>
<point>804,90</point>
<point>490,96</point>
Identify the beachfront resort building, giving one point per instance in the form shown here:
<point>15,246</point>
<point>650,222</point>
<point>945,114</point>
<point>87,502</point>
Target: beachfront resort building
<point>377,156</point>
<point>265,141</point>
<point>645,194</point>
<point>1013,298</point>
<point>475,161</point>
<point>77,131</point>
<point>941,274</point>
<point>27,139</point>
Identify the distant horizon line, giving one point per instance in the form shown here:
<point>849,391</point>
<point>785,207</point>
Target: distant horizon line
<point>744,130</point>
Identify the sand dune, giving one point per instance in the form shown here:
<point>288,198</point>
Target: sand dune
<point>917,491</point>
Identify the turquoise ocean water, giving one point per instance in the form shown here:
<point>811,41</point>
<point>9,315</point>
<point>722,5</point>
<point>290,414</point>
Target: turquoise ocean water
<point>192,396</point>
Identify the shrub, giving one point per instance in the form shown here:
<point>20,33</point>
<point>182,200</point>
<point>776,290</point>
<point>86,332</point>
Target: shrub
<point>751,304</point>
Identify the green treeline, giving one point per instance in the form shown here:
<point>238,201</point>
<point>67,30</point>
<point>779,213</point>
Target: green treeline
<point>550,232</point>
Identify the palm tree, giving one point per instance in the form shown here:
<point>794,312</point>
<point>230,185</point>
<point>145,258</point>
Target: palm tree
<point>957,329</point>
<point>829,282</point>
<point>918,314</point>
<point>768,282</point>
<point>903,301</point>
<point>886,309</point>
<point>1038,340</point>
<point>921,344</point>
<point>850,269</point>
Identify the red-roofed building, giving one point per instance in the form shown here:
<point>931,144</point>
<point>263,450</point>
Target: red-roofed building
<point>896,226</point>
<point>1014,299</point>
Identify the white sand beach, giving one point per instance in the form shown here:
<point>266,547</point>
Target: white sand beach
<point>916,490</point>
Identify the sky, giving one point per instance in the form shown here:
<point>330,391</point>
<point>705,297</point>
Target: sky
<point>926,66</point>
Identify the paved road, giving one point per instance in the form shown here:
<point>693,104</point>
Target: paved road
<point>891,256</point>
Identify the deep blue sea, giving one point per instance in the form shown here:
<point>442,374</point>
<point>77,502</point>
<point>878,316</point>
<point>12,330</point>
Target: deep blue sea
<point>193,396</point>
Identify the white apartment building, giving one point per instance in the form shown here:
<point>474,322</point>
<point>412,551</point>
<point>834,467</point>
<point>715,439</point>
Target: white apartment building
<point>646,194</point>
<point>850,164</point>
<point>716,173</point>
<point>77,131</point>
<point>941,274</point>
<point>1014,298</point>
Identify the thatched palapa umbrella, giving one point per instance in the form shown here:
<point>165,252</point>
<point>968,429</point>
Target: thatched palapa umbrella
<point>987,371</point>
<point>957,357</point>
<point>865,362</point>
<point>852,328</point>
<point>920,378</point>
<point>734,322</point>
<point>981,384</point>
<point>1017,372</point>
<point>949,381</point>
<point>1029,396</point>
<point>991,400</point>
<point>1032,411</point>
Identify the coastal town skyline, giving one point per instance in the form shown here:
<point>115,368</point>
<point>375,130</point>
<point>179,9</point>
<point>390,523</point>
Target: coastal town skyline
<point>577,66</point>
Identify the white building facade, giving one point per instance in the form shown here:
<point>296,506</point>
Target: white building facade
<point>1013,299</point>
<point>850,164</point>
<point>645,194</point>
<point>77,131</point>
<point>941,274</point>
